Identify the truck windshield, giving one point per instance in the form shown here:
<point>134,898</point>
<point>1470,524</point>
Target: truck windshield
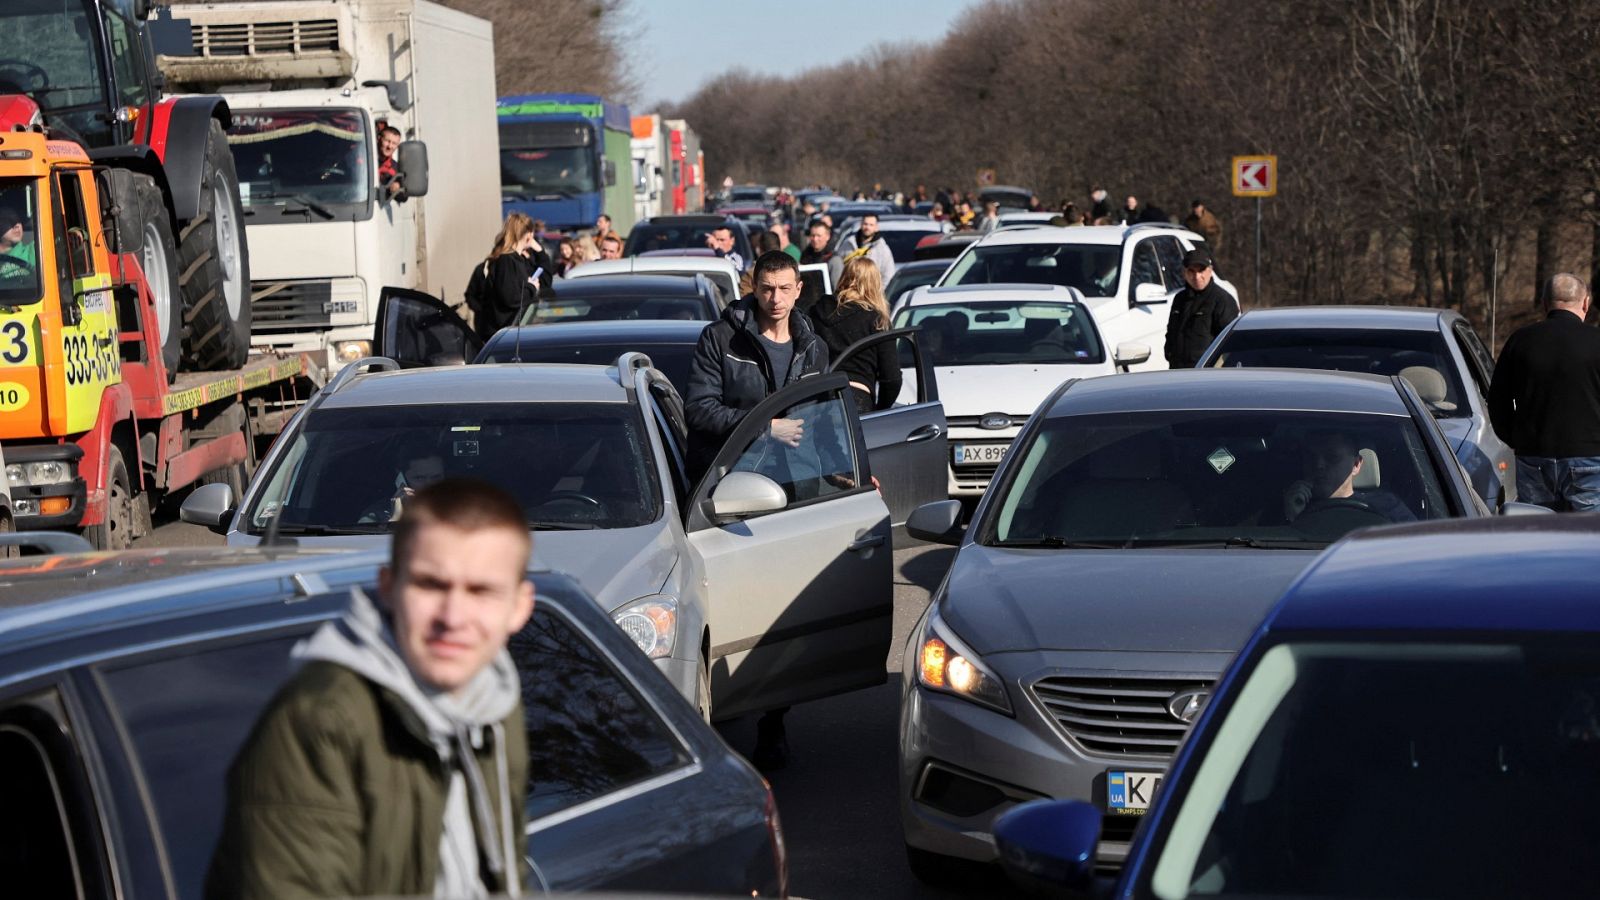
<point>19,242</point>
<point>548,173</point>
<point>47,52</point>
<point>299,163</point>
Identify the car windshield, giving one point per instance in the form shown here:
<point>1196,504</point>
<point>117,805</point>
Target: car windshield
<point>46,52</point>
<point>1091,268</point>
<point>673,360</point>
<point>20,284</point>
<point>647,236</point>
<point>613,307</point>
<point>1367,769</point>
<point>570,465</point>
<point>1420,356</point>
<point>1004,333</point>
<point>548,172</point>
<point>291,161</point>
<point>1228,478</point>
<point>903,241</point>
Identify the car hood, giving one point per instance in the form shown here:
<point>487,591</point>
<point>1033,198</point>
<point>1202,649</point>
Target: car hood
<point>1182,600</point>
<point>1014,390</point>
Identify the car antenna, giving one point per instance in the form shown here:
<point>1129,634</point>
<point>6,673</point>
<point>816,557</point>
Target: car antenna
<point>516,349</point>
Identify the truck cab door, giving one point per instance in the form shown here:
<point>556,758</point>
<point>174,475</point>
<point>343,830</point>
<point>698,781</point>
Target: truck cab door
<point>798,564</point>
<point>417,330</point>
<point>908,444</point>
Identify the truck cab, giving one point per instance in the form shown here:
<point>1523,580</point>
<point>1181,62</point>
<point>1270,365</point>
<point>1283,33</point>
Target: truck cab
<point>560,159</point>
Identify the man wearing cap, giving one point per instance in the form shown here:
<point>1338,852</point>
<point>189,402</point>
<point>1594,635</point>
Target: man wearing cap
<point>1199,312</point>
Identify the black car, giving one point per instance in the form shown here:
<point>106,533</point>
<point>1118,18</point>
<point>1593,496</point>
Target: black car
<point>129,681</point>
<point>684,233</point>
<point>948,247</point>
<point>912,275</point>
<point>627,297</point>
<point>669,344</point>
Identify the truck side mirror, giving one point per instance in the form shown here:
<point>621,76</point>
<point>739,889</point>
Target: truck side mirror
<point>611,172</point>
<point>413,165</point>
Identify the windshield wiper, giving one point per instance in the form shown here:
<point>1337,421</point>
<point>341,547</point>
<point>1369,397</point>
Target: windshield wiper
<point>562,526</point>
<point>1056,542</point>
<point>307,204</point>
<point>1246,542</point>
<point>330,530</point>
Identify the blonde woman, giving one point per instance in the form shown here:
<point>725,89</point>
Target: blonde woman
<point>509,278</point>
<point>584,250</point>
<point>858,309</point>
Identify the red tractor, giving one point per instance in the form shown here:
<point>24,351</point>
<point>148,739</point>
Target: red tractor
<point>85,70</point>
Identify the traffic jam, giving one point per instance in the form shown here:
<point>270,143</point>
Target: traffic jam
<point>732,539</point>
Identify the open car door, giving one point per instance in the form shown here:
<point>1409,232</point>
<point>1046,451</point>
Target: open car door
<point>798,565</point>
<point>417,330</point>
<point>908,444</point>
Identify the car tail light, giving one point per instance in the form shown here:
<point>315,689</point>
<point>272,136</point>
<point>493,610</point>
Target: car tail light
<point>780,855</point>
<point>929,241</point>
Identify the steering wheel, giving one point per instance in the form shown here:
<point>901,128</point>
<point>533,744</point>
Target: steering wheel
<point>7,259</point>
<point>1326,503</point>
<point>579,496</point>
<point>1333,517</point>
<point>33,70</point>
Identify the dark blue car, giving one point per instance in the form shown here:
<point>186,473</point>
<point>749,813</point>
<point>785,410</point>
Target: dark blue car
<point>1418,717</point>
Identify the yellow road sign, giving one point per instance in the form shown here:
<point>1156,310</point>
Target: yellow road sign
<point>1255,176</point>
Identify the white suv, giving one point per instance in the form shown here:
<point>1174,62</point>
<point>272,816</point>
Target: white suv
<point>997,351</point>
<point>1127,274</point>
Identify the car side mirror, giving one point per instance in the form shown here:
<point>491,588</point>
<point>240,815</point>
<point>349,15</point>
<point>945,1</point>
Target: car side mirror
<point>1147,294</point>
<point>938,522</point>
<point>745,494</point>
<point>210,505</point>
<point>412,160</point>
<point>611,172</point>
<point>1515,508</point>
<point>1131,353</point>
<point>1049,845</point>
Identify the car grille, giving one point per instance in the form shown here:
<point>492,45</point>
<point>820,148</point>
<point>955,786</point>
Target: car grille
<point>290,305</point>
<point>976,475</point>
<point>972,421</point>
<point>1122,716</point>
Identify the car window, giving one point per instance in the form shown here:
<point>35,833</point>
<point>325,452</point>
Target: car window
<point>992,333</point>
<point>1479,361</point>
<point>571,465</point>
<point>598,308</point>
<point>1392,763</point>
<point>1091,268</point>
<point>43,801</point>
<point>187,715</point>
<point>1420,356</point>
<point>670,433</point>
<point>1146,267</point>
<point>907,279</point>
<point>1170,254</point>
<point>590,732</point>
<point>823,463</point>
<point>674,360</point>
<point>1204,477</point>
<point>903,242</point>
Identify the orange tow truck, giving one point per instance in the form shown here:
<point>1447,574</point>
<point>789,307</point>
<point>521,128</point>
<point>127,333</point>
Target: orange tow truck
<point>94,426</point>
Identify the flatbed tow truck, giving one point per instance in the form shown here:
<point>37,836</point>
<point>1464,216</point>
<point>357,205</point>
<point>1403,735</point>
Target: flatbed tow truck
<point>95,429</point>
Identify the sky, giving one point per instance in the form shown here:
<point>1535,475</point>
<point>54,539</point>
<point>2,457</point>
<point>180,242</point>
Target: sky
<point>688,42</point>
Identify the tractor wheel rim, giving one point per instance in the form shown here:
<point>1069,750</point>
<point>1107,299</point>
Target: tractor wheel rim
<point>228,246</point>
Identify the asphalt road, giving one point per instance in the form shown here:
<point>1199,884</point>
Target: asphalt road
<point>837,798</point>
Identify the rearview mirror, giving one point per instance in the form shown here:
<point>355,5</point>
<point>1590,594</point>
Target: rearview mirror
<point>745,494</point>
<point>210,505</point>
<point>938,522</point>
<point>1131,353</point>
<point>1147,293</point>
<point>413,165</point>
<point>1048,845</point>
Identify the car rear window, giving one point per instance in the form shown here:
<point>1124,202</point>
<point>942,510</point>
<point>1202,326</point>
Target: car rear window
<point>1091,268</point>
<point>1420,356</point>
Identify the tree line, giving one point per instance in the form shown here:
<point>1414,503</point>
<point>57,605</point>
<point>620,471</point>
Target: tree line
<point>1439,152</point>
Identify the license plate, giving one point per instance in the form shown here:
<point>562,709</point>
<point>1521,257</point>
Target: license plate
<point>977,454</point>
<point>1130,793</point>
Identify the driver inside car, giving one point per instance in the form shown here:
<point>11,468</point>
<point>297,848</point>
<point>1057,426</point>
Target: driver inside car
<point>1331,466</point>
<point>19,257</point>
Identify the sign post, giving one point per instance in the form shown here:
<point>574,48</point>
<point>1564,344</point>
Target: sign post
<point>1256,176</point>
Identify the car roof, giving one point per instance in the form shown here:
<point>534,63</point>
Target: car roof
<point>626,285</point>
<point>492,383</point>
<point>707,219</point>
<point>910,223</point>
<point>688,261</point>
<point>1389,318</point>
<point>1303,390</point>
<point>1076,234</point>
<point>575,334</point>
<point>664,253</point>
<point>1525,573</point>
<point>919,264</point>
<point>32,580</point>
<point>993,293</point>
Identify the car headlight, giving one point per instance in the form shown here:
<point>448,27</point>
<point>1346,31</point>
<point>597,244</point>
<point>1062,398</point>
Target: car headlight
<point>350,351</point>
<point>652,623</point>
<point>947,665</point>
<point>50,471</point>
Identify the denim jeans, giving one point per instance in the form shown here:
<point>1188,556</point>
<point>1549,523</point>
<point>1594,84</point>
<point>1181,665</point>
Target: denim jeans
<point>1569,483</point>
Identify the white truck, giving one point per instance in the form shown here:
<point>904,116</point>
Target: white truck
<point>310,83</point>
<point>649,168</point>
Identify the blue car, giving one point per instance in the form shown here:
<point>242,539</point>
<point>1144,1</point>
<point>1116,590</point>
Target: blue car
<point>1418,717</point>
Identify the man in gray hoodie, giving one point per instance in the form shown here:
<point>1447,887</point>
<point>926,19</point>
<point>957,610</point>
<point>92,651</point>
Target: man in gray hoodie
<point>395,761</point>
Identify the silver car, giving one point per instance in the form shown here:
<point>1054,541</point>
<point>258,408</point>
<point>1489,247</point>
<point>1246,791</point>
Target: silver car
<point>1435,349</point>
<point>767,583</point>
<point>1135,535</point>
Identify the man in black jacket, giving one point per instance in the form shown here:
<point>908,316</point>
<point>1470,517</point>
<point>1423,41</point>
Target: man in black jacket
<point>1199,312</point>
<point>760,344</point>
<point>1544,400</point>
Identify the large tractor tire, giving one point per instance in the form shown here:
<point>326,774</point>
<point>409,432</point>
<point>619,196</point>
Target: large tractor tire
<point>215,266</point>
<point>144,228</point>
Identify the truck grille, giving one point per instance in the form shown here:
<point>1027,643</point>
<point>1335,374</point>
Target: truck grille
<point>265,38</point>
<point>1122,716</point>
<point>290,305</point>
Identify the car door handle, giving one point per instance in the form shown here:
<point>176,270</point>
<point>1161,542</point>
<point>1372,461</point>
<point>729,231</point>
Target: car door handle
<point>866,542</point>
<point>925,433</point>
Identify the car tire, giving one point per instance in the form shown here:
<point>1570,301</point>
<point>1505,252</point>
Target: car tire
<point>215,264</point>
<point>116,531</point>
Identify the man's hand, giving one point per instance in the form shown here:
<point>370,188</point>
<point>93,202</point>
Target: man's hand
<point>1296,497</point>
<point>788,431</point>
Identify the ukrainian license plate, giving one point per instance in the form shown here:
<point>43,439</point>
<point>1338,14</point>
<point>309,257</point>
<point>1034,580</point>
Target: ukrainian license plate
<point>1130,793</point>
<point>977,454</point>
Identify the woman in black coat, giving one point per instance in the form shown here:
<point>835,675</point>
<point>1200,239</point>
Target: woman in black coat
<point>511,278</point>
<point>858,309</point>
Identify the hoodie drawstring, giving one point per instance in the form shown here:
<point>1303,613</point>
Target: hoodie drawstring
<point>493,851</point>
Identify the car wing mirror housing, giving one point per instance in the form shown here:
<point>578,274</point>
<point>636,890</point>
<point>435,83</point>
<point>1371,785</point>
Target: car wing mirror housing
<point>1514,508</point>
<point>1048,846</point>
<point>938,522</point>
<point>211,505</point>
<point>413,165</point>
<point>1131,353</point>
<point>1148,293</point>
<point>743,494</point>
